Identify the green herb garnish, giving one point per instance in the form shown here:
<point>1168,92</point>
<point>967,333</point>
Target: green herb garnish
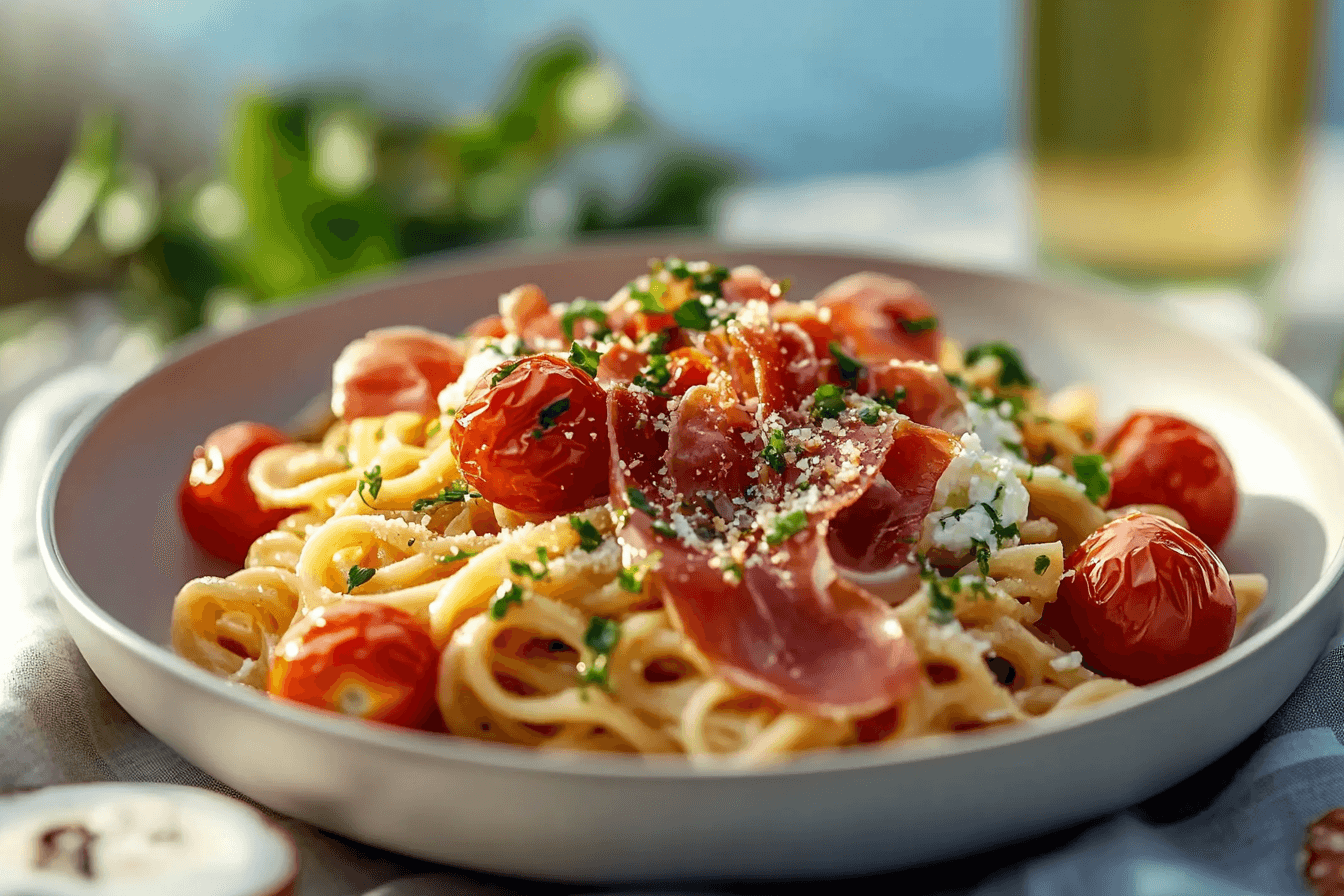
<point>371,480</point>
<point>452,494</point>
<point>1042,563</point>
<point>773,454</point>
<point>919,324</point>
<point>941,604</point>
<point>549,415</point>
<point>693,315</point>
<point>870,413</point>
<point>850,369</point>
<point>1012,372</point>
<point>581,309</point>
<point>1091,472</point>
<point>601,638</point>
<point>786,526</point>
<point>525,569</point>
<point>828,401</point>
<point>502,371</point>
<point>589,538</point>
<point>650,300</point>
<point>457,555</point>
<point>639,501</point>
<point>655,376</point>
<point>586,359</point>
<point>508,594</point>
<point>357,576</point>
<point>629,580</point>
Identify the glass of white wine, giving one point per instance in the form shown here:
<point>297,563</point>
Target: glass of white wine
<point>1167,140</point>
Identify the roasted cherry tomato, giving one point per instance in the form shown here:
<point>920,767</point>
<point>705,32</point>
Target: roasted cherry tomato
<point>535,441</point>
<point>217,505</point>
<point>1161,459</point>
<point>880,529</point>
<point>360,659</point>
<point>880,318</point>
<point>922,391</point>
<point>1142,599</point>
<point>395,369</point>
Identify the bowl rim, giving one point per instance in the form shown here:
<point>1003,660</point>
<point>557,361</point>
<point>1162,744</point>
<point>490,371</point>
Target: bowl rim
<point>575,763</point>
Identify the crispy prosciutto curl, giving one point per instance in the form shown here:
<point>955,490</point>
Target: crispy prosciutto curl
<point>742,558</point>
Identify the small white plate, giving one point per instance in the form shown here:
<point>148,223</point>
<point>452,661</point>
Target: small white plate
<point>113,545</point>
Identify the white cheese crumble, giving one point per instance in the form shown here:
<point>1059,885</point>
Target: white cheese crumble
<point>998,434</point>
<point>477,365</point>
<point>976,487</point>
<point>1067,661</point>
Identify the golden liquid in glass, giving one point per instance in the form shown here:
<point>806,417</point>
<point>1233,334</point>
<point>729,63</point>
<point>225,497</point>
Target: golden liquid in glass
<point>1167,136</point>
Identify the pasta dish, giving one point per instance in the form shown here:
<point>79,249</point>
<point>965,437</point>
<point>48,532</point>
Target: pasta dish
<point>707,516</point>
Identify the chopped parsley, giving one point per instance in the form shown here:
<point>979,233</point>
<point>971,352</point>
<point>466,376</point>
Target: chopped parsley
<point>589,538</point>
<point>828,401</point>
<point>433,428</point>
<point>664,528</point>
<point>655,376</point>
<point>919,324</point>
<point>630,580</point>
<point>650,300</point>
<point>773,454</point>
<point>508,594</point>
<point>457,555</point>
<point>357,576</point>
<point>870,413</point>
<point>982,557</point>
<point>786,526</point>
<point>890,399</point>
<point>640,502</point>
<point>601,638</point>
<point>1012,372</point>
<point>941,605</point>
<point>549,416</point>
<point>586,359</point>
<point>371,480</point>
<point>850,369</point>
<point>502,371</point>
<point>454,493</point>
<point>581,309</point>
<point>526,570</point>
<point>1091,472</point>
<point>1042,563</point>
<point>709,281</point>
<point>693,315</point>
<point>781,287</point>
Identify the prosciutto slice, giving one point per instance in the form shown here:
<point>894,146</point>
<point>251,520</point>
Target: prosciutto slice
<point>742,559</point>
<point>393,369</point>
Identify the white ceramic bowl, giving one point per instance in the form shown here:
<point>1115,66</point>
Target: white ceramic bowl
<point>113,545</point>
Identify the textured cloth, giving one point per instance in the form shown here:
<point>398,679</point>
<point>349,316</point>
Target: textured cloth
<point>1232,828</point>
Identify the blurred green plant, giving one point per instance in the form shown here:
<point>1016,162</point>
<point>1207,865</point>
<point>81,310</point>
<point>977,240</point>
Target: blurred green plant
<point>312,188</point>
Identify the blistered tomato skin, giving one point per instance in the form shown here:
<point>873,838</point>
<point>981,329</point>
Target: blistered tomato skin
<point>535,442</point>
<point>1143,599</point>
<point>879,318</point>
<point>217,506</point>
<point>360,659</point>
<point>1162,459</point>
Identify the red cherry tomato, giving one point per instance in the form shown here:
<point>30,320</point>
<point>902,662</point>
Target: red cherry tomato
<point>360,659</point>
<point>490,327</point>
<point>1142,599</point>
<point>396,369</point>
<point>217,505</point>
<point>1161,459</point>
<point>926,395</point>
<point>881,318</point>
<point>536,441</point>
<point>880,529</point>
